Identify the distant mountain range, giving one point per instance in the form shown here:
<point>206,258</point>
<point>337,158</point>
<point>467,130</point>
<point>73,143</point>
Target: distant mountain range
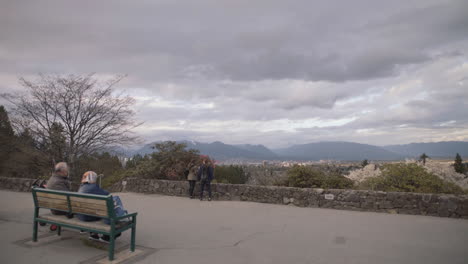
<point>443,149</point>
<point>336,150</point>
<point>220,151</point>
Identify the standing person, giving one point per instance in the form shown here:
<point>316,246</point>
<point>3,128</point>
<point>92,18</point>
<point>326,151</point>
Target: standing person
<point>59,181</point>
<point>192,177</point>
<point>205,174</point>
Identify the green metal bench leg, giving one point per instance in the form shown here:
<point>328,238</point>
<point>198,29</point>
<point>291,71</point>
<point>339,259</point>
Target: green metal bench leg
<point>59,230</point>
<point>35,231</point>
<point>111,247</point>
<point>132,243</point>
<point>36,214</point>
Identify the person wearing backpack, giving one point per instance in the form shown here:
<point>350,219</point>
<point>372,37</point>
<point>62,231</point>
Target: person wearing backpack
<point>205,175</point>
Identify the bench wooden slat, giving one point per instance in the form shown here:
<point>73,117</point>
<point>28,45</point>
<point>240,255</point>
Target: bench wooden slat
<point>88,206</point>
<point>53,205</point>
<point>51,195</point>
<point>98,225</point>
<point>78,210</point>
<point>78,205</point>
<point>88,200</point>
<point>52,201</point>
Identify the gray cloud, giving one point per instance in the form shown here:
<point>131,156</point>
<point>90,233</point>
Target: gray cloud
<point>243,41</point>
<point>272,72</point>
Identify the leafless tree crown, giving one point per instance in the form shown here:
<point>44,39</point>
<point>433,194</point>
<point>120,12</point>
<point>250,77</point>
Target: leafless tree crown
<point>93,116</point>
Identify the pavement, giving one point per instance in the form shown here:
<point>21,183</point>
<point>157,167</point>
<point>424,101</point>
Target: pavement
<point>181,230</point>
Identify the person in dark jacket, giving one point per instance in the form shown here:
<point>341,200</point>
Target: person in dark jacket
<point>89,185</point>
<point>59,181</point>
<point>205,175</point>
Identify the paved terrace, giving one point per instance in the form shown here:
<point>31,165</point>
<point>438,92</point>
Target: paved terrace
<point>180,230</point>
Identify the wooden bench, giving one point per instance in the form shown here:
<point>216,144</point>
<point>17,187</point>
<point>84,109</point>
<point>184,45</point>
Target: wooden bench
<point>85,204</point>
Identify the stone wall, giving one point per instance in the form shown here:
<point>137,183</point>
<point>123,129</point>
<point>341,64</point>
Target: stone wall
<point>25,184</point>
<point>16,184</point>
<point>443,205</point>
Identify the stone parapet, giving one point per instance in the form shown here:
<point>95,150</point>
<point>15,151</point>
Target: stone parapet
<point>442,205</point>
<point>16,184</point>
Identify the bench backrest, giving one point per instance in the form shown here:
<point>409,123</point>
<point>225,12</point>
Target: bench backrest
<point>74,203</point>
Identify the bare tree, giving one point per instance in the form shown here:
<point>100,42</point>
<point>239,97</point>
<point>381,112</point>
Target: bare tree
<point>92,115</point>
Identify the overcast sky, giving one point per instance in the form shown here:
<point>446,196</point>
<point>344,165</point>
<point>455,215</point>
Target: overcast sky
<point>261,72</point>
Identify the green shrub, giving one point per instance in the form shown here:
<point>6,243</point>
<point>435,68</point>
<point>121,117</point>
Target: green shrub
<point>458,165</point>
<point>336,181</point>
<point>230,174</point>
<point>109,180</point>
<point>409,178</point>
<point>364,163</point>
<point>304,177</point>
<point>307,177</point>
<point>168,162</point>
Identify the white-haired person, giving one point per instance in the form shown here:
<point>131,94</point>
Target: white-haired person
<point>59,181</point>
<point>89,185</point>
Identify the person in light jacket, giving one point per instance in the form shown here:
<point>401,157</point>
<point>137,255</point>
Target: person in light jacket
<point>192,170</point>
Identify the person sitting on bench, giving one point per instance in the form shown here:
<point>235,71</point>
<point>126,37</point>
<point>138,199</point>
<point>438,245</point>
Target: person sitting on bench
<point>88,185</point>
<point>59,181</point>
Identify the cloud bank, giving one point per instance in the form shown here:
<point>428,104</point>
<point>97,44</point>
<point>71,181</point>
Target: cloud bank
<point>269,72</point>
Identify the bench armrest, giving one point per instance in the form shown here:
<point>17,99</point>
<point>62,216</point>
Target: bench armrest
<point>126,216</point>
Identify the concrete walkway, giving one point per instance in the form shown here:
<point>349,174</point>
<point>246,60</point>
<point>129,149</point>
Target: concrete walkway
<point>189,231</point>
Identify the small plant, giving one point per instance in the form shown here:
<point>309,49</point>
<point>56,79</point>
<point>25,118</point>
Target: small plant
<point>458,165</point>
<point>364,163</point>
<point>423,158</point>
